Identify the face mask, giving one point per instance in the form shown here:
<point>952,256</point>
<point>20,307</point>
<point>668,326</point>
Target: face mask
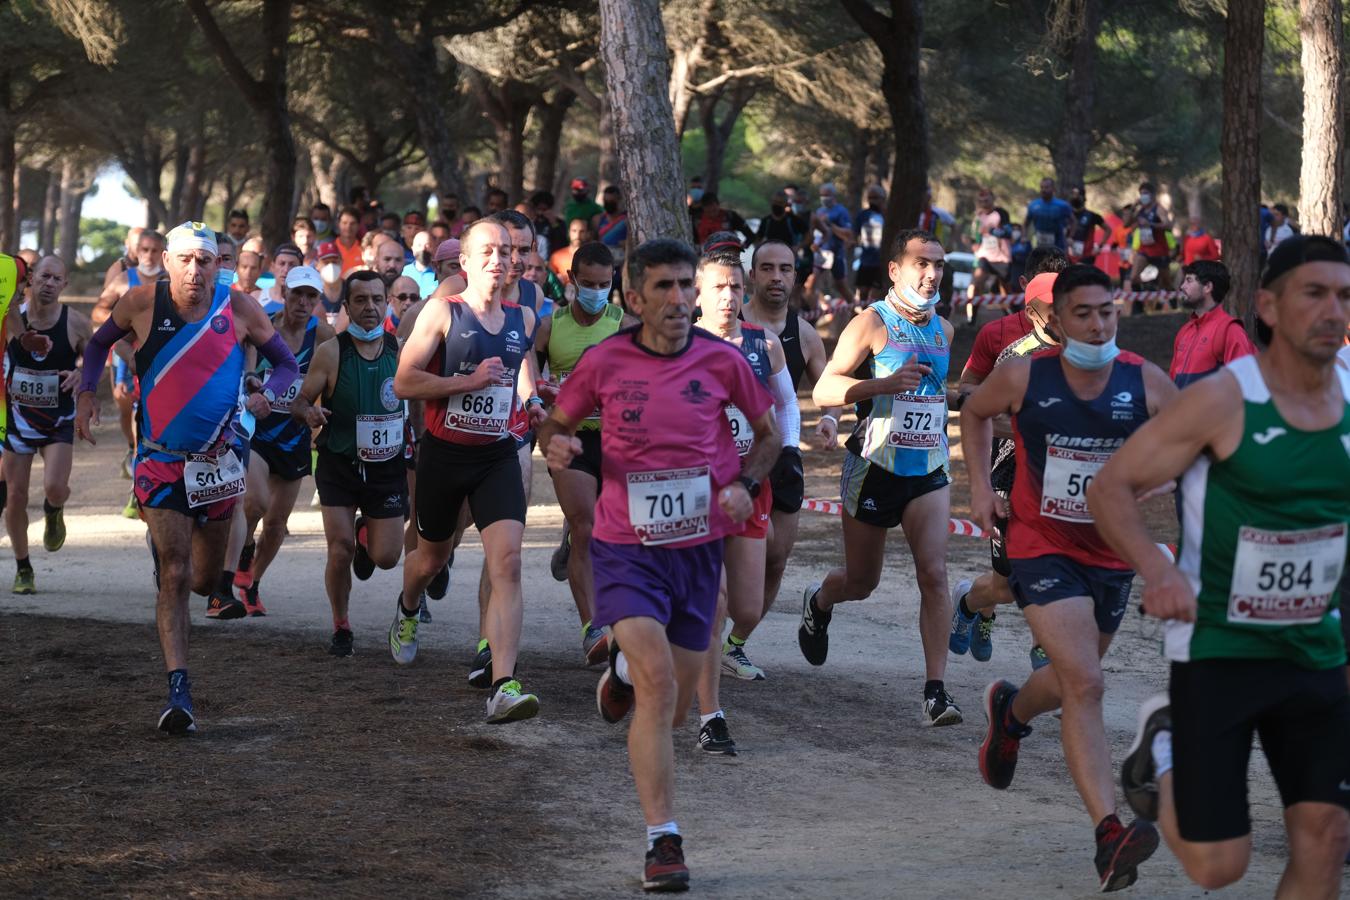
<point>914,300</point>
<point>330,272</point>
<point>150,271</point>
<point>827,202</point>
<point>1077,202</point>
<point>579,196</point>
<point>1016,236</point>
<point>425,259</point>
<point>779,209</point>
<point>1145,199</point>
<point>592,299</point>
<point>1090,356</point>
<point>321,226</point>
<point>361,334</point>
<point>225,277</point>
<point>611,206</point>
<point>696,194</point>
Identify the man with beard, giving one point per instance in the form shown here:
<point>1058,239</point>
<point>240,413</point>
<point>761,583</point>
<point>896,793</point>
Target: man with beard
<point>388,260</point>
<point>1211,338</point>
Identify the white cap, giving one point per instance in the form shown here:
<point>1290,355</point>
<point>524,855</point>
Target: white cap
<point>304,276</point>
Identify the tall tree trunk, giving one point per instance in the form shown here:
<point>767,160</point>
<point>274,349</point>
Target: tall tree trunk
<point>422,74</point>
<point>193,199</point>
<point>51,211</point>
<point>327,171</point>
<point>180,166</point>
<point>1320,29</point>
<point>1069,150</point>
<point>511,153</point>
<point>549,142</point>
<point>717,132</point>
<point>9,226</point>
<point>637,76</point>
<point>72,193</point>
<point>856,182</point>
<point>609,148</point>
<point>1244,45</point>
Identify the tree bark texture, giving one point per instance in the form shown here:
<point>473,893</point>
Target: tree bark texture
<point>717,132</point>
<point>549,142</point>
<point>1244,45</point>
<point>9,226</point>
<point>1073,140</point>
<point>51,211</point>
<point>1320,30</point>
<point>75,185</point>
<point>637,77</point>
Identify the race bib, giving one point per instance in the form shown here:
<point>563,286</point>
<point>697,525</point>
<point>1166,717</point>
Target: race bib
<point>1067,476</point>
<point>918,421</point>
<point>670,504</point>
<point>1044,239</point>
<point>1076,248</point>
<point>379,438</point>
<point>741,432</point>
<point>1285,577</point>
<point>988,245</point>
<point>284,400</point>
<point>486,411</point>
<point>33,388</point>
<point>209,479</point>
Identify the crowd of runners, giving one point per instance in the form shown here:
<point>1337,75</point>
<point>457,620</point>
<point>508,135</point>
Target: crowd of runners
<point>417,387</point>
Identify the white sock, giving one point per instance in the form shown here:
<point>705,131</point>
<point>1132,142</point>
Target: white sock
<point>621,668</point>
<point>655,831</point>
<point>704,720</point>
<point>1162,754</point>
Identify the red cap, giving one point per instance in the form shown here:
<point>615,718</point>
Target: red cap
<point>327,249</point>
<point>580,184</point>
<point>1041,287</point>
<point>21,270</point>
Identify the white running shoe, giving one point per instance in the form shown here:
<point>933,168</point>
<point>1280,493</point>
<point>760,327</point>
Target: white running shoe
<point>403,636</point>
<point>510,704</point>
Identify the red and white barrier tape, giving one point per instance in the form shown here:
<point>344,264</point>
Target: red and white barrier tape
<point>1120,296</point>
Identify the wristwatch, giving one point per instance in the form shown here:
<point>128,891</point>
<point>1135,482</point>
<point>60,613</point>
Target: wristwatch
<point>269,395</point>
<point>751,486</point>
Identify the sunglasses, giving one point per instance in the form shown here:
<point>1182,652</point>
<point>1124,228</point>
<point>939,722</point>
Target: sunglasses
<point>407,296</point>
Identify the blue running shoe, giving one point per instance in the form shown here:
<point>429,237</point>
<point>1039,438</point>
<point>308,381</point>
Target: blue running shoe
<point>982,638</point>
<point>177,717</point>
<point>959,641</point>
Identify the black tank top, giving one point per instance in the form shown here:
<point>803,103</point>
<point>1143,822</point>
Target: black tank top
<point>27,385</point>
<point>791,339</point>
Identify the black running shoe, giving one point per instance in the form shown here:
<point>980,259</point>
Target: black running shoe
<point>224,606</point>
<point>1138,775</point>
<point>439,584</point>
<point>665,869</point>
<point>341,644</point>
<point>1120,850</point>
<point>941,709</point>
<point>557,563</point>
<point>480,673</point>
<point>715,738</point>
<point>362,565</point>
<point>813,634</point>
<point>998,753</point>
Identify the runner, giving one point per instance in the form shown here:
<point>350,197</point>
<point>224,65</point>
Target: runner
<point>657,546</point>
<point>40,411</point>
<point>128,260</point>
<point>1048,218</point>
<point>188,467</point>
<point>989,231</point>
<point>1071,408</point>
<point>560,341</point>
<point>1251,604</point>
<point>721,287</point>
<point>286,257</point>
<point>896,470</point>
<point>403,293</point>
<point>772,274</point>
<point>329,264</point>
<point>349,393</point>
<point>468,359</point>
<point>280,456</point>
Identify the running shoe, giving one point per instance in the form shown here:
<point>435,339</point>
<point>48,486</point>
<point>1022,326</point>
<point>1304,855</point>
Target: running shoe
<point>341,644</point>
<point>665,869</point>
<point>714,738</point>
<point>941,709</point>
<point>403,635</point>
<point>557,563</point>
<point>509,704</point>
<point>252,604</point>
<point>735,662</point>
<point>982,639</point>
<point>594,644</point>
<point>958,641</point>
<point>612,697</point>
<point>439,584</point>
<point>24,582</point>
<point>1138,774</point>
<point>129,463</point>
<point>218,607</point>
<point>177,717</point>
<point>243,574</point>
<point>1120,850</point>
<point>362,564</point>
<point>54,530</point>
<point>1039,658</point>
<point>813,634</point>
<point>423,612</point>
<point>480,672</point>
<point>132,510</point>
<point>998,753</point>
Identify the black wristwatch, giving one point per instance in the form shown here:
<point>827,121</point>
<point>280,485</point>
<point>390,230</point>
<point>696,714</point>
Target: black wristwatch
<point>751,486</point>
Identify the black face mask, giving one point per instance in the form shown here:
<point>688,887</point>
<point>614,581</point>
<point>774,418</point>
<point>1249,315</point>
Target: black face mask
<point>611,206</point>
<point>778,209</point>
<point>1077,202</point>
<point>578,195</point>
<point>425,259</point>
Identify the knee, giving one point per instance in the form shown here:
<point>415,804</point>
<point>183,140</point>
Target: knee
<point>581,534</point>
<point>931,575</point>
<point>505,568</point>
<point>386,557</point>
<point>1214,872</point>
<point>58,494</point>
<point>255,507</point>
<point>341,551</point>
<point>860,585</point>
<point>658,693</point>
<point>274,531</point>
<point>1083,688</point>
<point>173,576</point>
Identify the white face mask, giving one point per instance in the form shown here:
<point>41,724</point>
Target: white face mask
<point>330,272</point>
<point>150,271</point>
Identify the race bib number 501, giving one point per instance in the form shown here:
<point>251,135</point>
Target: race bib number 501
<point>670,504</point>
<point>1067,476</point>
<point>209,479</point>
<point>1285,577</point>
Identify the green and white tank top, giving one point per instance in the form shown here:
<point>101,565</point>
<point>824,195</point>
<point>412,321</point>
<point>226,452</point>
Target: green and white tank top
<point>1264,538</point>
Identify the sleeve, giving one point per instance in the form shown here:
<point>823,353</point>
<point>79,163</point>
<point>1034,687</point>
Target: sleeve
<point>743,387</point>
<point>1236,342</point>
<point>579,396</point>
<point>982,354</point>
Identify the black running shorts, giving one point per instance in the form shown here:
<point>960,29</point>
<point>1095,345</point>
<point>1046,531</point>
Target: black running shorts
<point>488,477</point>
<point>588,460</point>
<point>288,465</point>
<point>787,481</point>
<point>1302,717</point>
<point>379,490</point>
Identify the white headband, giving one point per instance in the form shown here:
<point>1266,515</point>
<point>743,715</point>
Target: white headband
<point>192,236</point>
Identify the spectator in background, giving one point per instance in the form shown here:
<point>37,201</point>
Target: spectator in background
<point>449,210</point>
<point>439,232</point>
<point>781,224</point>
<point>1211,338</point>
<point>422,269</point>
<point>611,228</point>
<point>1198,244</point>
<point>713,218</point>
<point>536,270</point>
<point>330,273</point>
<point>549,230</point>
<point>321,217</point>
<point>993,250</point>
<point>348,239</point>
<point>391,226</point>
<point>446,259</point>
<point>832,234</point>
<point>695,194</point>
<point>470,215</point>
<point>247,271</point>
<point>1083,242</point>
<point>937,222</point>
<point>1048,218</point>
<point>560,261</point>
<point>871,282</point>
<point>581,206</point>
<point>495,200</point>
<point>413,222</point>
<point>284,258</point>
<point>1281,229</point>
<point>236,225</point>
<point>302,235</point>
<point>1020,249</point>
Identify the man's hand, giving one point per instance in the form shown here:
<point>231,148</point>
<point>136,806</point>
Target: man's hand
<point>487,372</point>
<point>536,414</point>
<point>316,416</point>
<point>69,380</point>
<point>735,502</point>
<point>827,433</point>
<point>86,415</point>
<point>35,342</point>
<point>561,450</point>
<point>1170,596</point>
<point>904,379</point>
<point>258,405</point>
<point>987,509</point>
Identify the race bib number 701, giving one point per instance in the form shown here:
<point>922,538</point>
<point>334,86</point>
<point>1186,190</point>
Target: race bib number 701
<point>670,504</point>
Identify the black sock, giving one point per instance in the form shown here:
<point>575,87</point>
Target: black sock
<point>23,564</point>
<point>1106,825</point>
<point>4,494</point>
<point>48,508</point>
<point>404,610</point>
<point>932,688</point>
<point>225,583</point>
<point>501,681</point>
<point>966,612</point>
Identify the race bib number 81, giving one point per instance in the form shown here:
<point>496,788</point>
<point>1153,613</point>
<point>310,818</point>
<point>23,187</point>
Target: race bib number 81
<point>669,505</point>
<point>1285,577</point>
<point>379,438</point>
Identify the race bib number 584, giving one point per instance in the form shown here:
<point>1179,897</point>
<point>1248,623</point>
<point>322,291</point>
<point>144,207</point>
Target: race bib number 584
<point>1285,577</point>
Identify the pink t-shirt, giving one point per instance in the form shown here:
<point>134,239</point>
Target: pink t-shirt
<point>992,248</point>
<point>666,444</point>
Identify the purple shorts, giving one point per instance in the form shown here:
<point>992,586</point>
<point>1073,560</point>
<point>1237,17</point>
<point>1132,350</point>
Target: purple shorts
<point>675,586</point>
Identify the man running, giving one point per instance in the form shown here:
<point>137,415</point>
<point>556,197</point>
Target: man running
<point>188,466</point>
<point>772,276</point>
<point>280,456</point>
<point>469,359</point>
<point>1071,408</point>
<point>559,342</point>
<point>40,406</point>
<point>673,488</point>
<point>1251,603</point>
<point>349,392</point>
<point>896,469</point>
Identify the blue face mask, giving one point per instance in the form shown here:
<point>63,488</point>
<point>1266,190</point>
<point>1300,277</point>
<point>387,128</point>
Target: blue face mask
<point>592,299</point>
<point>696,194</point>
<point>362,334</point>
<point>914,300</point>
<point>1089,356</point>
<point>225,277</point>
